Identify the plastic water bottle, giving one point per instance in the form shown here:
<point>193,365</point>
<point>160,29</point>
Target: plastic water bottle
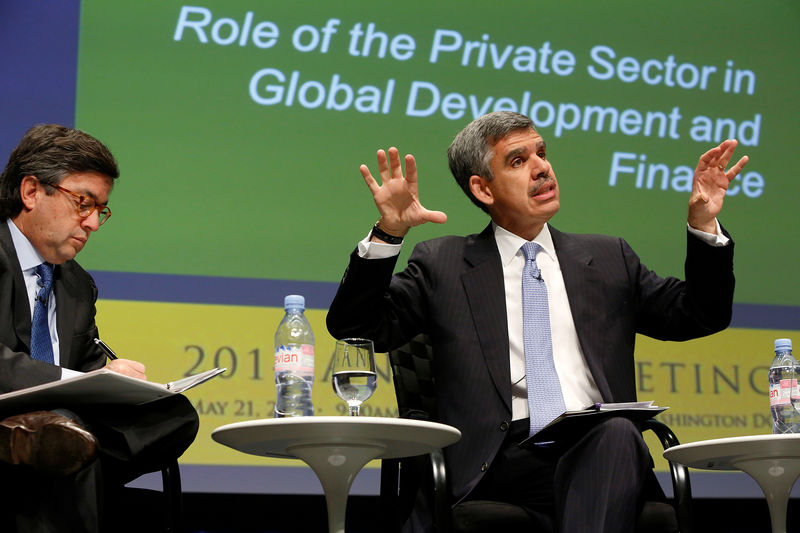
<point>294,360</point>
<point>783,391</point>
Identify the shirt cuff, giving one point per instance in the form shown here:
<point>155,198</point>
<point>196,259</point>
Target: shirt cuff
<point>714,240</point>
<point>67,373</point>
<point>376,250</point>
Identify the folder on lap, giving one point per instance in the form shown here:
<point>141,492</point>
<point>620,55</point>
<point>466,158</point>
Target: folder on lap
<point>100,386</point>
<point>571,422</point>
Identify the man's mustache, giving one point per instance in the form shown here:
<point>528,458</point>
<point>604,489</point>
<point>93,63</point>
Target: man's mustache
<point>543,181</point>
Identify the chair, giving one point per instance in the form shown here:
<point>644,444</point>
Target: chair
<point>171,483</point>
<point>405,481</point>
<point>128,509</point>
<point>161,510</point>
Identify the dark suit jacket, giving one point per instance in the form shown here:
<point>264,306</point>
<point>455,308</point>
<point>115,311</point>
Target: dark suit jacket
<point>76,295</point>
<point>133,439</point>
<point>453,291</point>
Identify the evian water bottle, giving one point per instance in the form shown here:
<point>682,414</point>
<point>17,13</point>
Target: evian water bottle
<point>294,360</point>
<point>783,391</point>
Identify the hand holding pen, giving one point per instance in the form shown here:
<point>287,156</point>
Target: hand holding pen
<point>126,367</point>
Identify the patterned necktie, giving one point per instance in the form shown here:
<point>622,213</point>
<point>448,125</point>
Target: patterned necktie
<point>41,344</point>
<point>545,401</point>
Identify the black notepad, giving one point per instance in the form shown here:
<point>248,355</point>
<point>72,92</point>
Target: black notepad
<point>571,422</point>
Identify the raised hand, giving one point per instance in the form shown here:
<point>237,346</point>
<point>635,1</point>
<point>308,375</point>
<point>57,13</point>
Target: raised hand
<point>710,184</point>
<point>397,197</point>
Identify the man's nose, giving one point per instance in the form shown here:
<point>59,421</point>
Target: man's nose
<point>92,222</point>
<point>540,168</point>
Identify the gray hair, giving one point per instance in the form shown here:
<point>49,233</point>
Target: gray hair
<point>472,150</point>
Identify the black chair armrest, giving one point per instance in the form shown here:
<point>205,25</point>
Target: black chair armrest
<point>171,482</point>
<point>681,486</point>
<point>403,479</point>
<point>442,512</point>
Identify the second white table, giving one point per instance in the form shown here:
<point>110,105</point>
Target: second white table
<point>772,460</point>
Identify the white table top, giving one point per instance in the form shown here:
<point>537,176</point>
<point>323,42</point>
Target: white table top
<point>721,454</point>
<point>400,437</point>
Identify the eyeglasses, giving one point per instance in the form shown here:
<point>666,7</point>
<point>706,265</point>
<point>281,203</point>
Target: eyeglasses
<point>86,206</point>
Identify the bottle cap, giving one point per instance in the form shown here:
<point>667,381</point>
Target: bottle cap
<point>295,301</point>
<point>783,345</point>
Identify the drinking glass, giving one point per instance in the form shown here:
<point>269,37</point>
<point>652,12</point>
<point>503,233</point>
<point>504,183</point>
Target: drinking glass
<point>354,377</point>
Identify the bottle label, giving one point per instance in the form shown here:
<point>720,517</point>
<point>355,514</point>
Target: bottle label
<point>782,392</point>
<point>295,358</point>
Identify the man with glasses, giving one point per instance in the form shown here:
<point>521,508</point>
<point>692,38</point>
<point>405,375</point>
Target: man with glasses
<point>59,464</point>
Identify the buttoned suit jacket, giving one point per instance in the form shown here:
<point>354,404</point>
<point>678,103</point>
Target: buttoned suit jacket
<point>453,291</point>
<point>76,295</point>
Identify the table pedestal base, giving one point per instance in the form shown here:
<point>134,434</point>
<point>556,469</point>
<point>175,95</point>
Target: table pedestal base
<point>776,477</point>
<point>336,466</point>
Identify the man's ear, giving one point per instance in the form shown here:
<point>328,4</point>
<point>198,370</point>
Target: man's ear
<point>480,189</point>
<point>28,191</point>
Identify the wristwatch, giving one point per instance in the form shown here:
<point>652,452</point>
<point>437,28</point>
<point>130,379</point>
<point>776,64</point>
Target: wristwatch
<point>385,237</point>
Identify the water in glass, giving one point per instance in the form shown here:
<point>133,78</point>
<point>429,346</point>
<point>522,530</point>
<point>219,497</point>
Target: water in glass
<point>354,378</point>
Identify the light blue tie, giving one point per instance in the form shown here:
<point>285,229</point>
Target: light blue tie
<point>545,401</point>
<point>41,344</point>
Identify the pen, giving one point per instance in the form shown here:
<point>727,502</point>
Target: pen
<point>106,350</point>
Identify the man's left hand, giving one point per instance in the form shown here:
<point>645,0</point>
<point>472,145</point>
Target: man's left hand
<point>710,184</point>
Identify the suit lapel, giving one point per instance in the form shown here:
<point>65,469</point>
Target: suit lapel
<point>65,311</point>
<point>580,277</point>
<point>483,284</point>
<point>21,308</point>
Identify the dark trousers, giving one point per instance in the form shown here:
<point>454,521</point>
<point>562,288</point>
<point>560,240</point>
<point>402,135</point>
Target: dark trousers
<point>133,440</point>
<point>587,482</point>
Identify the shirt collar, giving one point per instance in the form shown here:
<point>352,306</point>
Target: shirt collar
<point>28,256</point>
<point>509,244</point>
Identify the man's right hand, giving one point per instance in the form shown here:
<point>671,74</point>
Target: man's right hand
<point>397,198</point>
<point>128,367</point>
